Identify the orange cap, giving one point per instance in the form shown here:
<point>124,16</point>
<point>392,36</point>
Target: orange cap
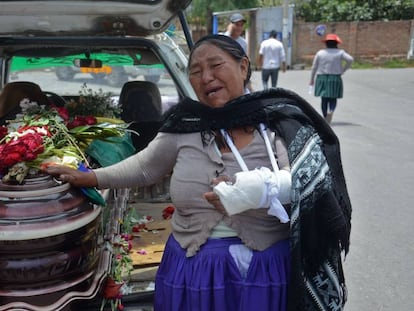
<point>332,37</point>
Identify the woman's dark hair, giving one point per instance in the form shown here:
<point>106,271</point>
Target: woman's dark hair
<point>228,45</point>
<point>331,44</point>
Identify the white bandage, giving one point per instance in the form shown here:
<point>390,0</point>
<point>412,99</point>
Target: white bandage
<point>259,188</point>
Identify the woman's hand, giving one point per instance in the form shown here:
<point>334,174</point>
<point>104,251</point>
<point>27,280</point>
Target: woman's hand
<point>73,176</point>
<point>213,198</point>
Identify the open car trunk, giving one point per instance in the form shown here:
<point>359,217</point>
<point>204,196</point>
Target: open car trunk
<point>74,50</point>
<point>88,18</point>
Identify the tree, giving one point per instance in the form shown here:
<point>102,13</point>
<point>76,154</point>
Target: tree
<point>354,10</point>
<point>201,11</point>
<point>269,3</point>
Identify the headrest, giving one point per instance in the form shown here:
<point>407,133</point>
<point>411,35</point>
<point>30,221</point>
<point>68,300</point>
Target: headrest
<point>140,101</point>
<point>13,93</point>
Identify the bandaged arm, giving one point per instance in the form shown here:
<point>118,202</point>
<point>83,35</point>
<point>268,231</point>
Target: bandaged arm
<point>259,188</point>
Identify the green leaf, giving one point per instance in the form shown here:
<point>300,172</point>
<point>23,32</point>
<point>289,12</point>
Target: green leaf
<point>79,129</point>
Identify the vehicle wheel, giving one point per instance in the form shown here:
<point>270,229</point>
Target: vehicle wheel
<point>55,99</point>
<point>153,79</point>
<point>64,73</point>
<point>117,77</point>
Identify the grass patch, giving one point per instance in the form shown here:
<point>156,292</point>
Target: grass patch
<point>362,65</point>
<point>398,63</point>
<point>388,64</point>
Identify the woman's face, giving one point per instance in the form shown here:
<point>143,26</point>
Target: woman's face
<point>215,76</point>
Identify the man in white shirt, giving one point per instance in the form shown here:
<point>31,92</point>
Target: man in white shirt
<point>272,57</point>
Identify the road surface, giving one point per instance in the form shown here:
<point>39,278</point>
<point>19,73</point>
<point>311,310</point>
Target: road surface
<point>375,125</point>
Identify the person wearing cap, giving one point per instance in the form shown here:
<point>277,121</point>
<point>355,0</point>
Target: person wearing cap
<point>272,58</point>
<point>259,219</point>
<point>235,29</point>
<point>329,64</point>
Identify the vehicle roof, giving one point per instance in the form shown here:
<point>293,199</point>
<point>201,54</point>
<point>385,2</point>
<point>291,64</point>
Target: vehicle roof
<point>62,46</point>
<point>88,17</point>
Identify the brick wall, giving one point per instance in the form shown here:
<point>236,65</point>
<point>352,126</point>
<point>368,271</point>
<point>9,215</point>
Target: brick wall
<point>374,41</point>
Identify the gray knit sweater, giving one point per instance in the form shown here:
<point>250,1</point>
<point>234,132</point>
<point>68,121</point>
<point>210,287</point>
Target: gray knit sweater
<point>331,61</point>
<point>193,166</point>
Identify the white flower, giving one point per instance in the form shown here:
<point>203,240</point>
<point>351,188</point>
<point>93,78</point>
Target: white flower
<point>26,104</point>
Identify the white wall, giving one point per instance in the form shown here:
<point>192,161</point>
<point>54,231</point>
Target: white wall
<point>268,19</point>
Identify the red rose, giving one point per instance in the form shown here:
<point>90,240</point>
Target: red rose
<point>90,120</point>
<point>12,158</point>
<point>32,141</point>
<point>167,212</point>
<point>30,156</point>
<point>17,147</point>
<point>75,123</point>
<point>127,237</point>
<point>63,112</point>
<point>139,228</point>
<point>25,148</point>
<point>111,289</point>
<point>3,132</point>
<point>82,120</point>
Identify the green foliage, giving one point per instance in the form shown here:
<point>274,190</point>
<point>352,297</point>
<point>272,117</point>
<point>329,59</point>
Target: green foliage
<point>398,63</point>
<point>354,10</point>
<point>269,3</point>
<point>310,10</point>
<point>389,64</point>
<point>96,103</point>
<point>201,10</point>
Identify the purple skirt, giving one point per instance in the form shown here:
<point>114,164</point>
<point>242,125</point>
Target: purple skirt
<point>211,281</point>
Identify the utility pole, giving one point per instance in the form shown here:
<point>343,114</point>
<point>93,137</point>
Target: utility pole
<point>285,30</point>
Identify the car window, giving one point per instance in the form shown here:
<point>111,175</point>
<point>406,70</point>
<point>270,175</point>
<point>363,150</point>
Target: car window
<point>55,70</point>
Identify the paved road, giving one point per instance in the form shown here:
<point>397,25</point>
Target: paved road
<point>375,124</point>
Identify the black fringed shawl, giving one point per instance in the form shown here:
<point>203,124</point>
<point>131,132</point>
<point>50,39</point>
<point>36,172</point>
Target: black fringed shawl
<point>320,206</point>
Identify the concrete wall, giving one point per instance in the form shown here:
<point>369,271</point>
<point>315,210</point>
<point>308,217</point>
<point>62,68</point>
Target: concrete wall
<point>374,41</point>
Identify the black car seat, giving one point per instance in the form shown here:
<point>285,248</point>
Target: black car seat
<point>13,93</point>
<point>140,102</point>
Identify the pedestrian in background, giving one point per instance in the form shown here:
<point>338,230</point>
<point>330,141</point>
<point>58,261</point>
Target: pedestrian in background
<point>328,66</point>
<point>235,30</point>
<point>272,57</point>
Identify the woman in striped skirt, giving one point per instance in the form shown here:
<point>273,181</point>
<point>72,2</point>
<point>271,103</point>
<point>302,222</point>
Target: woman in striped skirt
<point>328,66</point>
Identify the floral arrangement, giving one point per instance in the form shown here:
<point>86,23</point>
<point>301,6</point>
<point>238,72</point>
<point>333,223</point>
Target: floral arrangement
<point>42,136</point>
<point>117,282</point>
<point>96,103</point>
<point>48,135</point>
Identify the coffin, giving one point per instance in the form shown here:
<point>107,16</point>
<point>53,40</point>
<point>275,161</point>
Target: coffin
<point>52,245</point>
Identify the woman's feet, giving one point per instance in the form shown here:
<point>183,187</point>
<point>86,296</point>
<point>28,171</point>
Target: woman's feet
<point>328,117</point>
